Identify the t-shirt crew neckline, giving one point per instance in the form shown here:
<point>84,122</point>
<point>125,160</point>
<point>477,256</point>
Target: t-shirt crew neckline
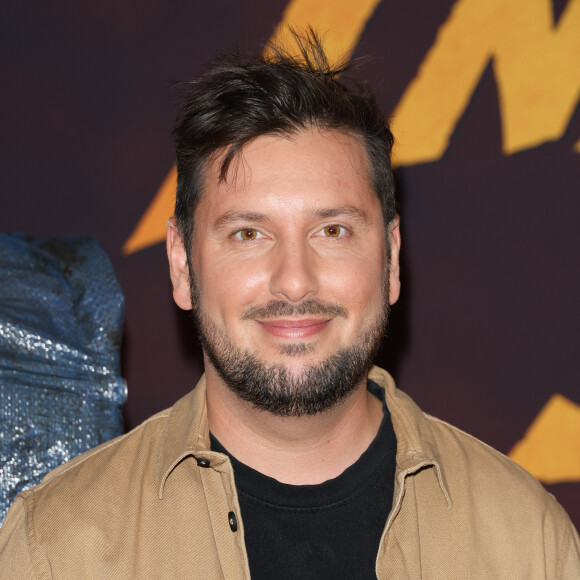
<point>352,482</point>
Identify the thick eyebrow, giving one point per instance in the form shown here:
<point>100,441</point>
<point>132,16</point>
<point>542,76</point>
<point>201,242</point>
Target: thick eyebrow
<point>342,210</point>
<point>232,217</point>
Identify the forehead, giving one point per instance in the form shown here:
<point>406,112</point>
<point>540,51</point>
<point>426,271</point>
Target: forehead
<point>310,169</point>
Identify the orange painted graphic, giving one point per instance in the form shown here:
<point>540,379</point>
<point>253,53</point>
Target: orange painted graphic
<point>550,449</point>
<point>339,22</point>
<point>536,66</point>
<point>151,228</point>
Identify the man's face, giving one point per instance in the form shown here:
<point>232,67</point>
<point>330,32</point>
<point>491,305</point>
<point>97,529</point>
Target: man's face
<point>291,287</point>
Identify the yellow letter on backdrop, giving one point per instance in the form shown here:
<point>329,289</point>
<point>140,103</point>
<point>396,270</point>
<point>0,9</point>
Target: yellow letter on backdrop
<point>536,66</point>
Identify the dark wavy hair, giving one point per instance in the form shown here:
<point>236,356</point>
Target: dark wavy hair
<point>240,99</point>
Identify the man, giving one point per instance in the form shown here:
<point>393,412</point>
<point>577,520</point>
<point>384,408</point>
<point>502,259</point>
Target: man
<point>292,458</point>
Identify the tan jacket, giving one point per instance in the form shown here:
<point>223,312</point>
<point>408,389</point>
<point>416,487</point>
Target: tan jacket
<point>147,505</point>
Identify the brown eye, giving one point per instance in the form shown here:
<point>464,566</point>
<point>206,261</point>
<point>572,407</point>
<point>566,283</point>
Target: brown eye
<point>332,231</point>
<point>248,234</point>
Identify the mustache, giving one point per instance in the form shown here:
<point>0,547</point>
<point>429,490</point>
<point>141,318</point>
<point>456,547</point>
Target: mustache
<point>280,308</point>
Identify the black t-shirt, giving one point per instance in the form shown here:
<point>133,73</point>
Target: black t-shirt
<point>329,530</point>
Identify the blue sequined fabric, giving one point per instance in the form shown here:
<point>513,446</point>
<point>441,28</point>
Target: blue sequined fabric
<point>61,393</point>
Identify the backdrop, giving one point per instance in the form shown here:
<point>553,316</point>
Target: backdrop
<point>484,98</point>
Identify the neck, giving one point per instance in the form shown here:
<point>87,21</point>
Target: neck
<point>297,450</point>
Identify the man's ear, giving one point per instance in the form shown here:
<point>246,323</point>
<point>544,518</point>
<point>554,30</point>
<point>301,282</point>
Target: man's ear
<point>178,267</point>
<point>394,270</point>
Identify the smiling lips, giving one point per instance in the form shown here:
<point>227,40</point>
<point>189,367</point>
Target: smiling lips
<point>289,328</point>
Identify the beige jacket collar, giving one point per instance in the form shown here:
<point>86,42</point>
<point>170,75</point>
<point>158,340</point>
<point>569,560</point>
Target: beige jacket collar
<point>186,433</point>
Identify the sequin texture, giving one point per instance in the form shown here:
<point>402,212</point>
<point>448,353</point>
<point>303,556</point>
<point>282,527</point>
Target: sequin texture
<point>61,393</point>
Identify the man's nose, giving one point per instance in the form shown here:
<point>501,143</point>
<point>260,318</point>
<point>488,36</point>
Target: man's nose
<point>294,272</point>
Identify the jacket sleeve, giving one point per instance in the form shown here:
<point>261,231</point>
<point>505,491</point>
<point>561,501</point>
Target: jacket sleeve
<point>572,562</point>
<point>15,559</point>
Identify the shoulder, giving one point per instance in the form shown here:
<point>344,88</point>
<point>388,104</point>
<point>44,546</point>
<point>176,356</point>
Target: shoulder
<point>58,511</point>
<point>470,501</point>
<point>134,448</point>
<point>494,497</point>
<point>465,458</point>
<point>484,482</point>
<point>99,479</point>
<point>465,462</point>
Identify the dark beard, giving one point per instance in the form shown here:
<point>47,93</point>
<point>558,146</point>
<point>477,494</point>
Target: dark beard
<point>273,387</point>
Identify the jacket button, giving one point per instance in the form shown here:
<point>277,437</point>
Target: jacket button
<point>233,522</point>
<point>203,462</point>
